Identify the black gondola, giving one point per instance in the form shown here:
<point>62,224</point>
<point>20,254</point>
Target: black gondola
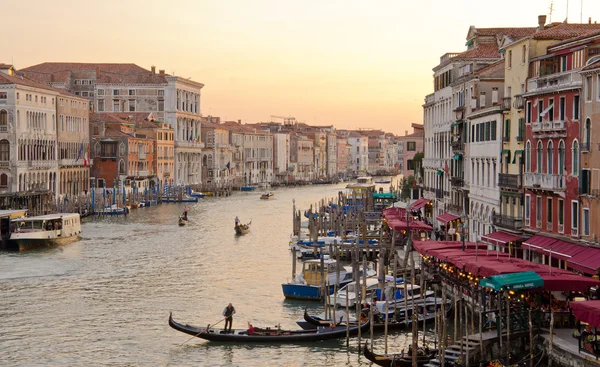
<point>265,335</point>
<point>398,360</point>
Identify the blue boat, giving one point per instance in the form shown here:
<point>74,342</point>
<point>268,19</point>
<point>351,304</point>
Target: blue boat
<point>185,199</point>
<point>307,285</point>
<point>248,188</point>
<point>197,194</point>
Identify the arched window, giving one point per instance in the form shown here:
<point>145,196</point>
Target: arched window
<point>4,150</point>
<point>587,131</point>
<point>540,156</point>
<point>528,156</point>
<point>550,158</point>
<point>3,118</point>
<point>122,170</point>
<point>122,147</point>
<point>3,180</point>
<point>575,158</point>
<point>97,150</point>
<point>561,158</point>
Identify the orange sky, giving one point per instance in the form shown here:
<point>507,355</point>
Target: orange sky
<point>353,64</point>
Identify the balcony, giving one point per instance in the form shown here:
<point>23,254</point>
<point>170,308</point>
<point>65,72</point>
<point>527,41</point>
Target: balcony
<point>545,181</point>
<point>457,145</point>
<point>3,128</point>
<point>585,147</point>
<point>141,156</point>
<point>4,164</point>
<point>509,181</point>
<point>519,102</point>
<point>507,222</point>
<point>553,82</point>
<point>520,138</point>
<point>143,173</point>
<point>506,139</point>
<point>506,104</point>
<point>548,126</point>
<point>549,227</point>
<point>457,181</point>
<point>439,194</point>
<point>456,209</point>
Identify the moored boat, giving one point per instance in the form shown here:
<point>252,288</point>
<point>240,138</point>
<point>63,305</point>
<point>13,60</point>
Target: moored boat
<point>307,285</point>
<point>197,194</point>
<point>265,335</point>
<point>398,360</point>
<point>45,230</point>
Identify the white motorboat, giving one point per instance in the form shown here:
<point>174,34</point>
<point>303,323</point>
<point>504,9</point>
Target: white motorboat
<point>45,230</point>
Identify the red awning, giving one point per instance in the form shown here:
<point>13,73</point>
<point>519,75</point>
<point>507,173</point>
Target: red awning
<point>447,217</point>
<point>564,250</point>
<point>587,261</point>
<point>398,224</point>
<point>500,238</point>
<point>419,203</point>
<point>565,280</point>
<point>587,311</point>
<point>539,243</point>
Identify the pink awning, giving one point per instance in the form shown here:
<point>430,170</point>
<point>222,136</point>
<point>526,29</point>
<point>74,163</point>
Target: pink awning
<point>538,243</point>
<point>563,250</point>
<point>565,280</point>
<point>587,311</point>
<point>419,203</point>
<point>587,261</point>
<point>447,217</point>
<point>500,238</point>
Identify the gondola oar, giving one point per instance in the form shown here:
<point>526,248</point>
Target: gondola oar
<point>208,327</point>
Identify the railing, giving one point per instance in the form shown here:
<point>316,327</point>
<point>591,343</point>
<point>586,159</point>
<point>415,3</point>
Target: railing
<point>549,226</point>
<point>561,228</point>
<point>545,181</point>
<point>518,103</point>
<point>509,181</point>
<point>526,222</point>
<point>457,181</point>
<point>143,173</point>
<point>520,138</point>
<point>455,208</point>
<point>3,128</point>
<point>506,139</point>
<point>553,82</point>
<point>585,147</point>
<point>507,222</point>
<point>142,156</point>
<point>4,164</point>
<point>574,232</point>
<point>548,126</point>
<point>595,192</point>
<point>42,164</point>
<point>506,103</point>
<point>538,223</point>
<point>457,145</point>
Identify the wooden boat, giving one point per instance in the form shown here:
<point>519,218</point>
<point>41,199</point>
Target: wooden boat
<point>182,221</point>
<point>44,230</point>
<point>398,360</point>
<point>307,285</point>
<point>265,335</point>
<point>267,195</point>
<point>242,228</point>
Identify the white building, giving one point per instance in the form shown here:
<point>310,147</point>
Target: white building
<point>360,152</point>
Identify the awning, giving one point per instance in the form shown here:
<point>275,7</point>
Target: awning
<point>456,123</point>
<point>500,238</point>
<point>538,243</point>
<point>587,311</point>
<point>447,217</point>
<point>563,250</point>
<point>517,152</point>
<point>587,261</point>
<point>507,152</point>
<point>419,203</point>
<point>523,280</point>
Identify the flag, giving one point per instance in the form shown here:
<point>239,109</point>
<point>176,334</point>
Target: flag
<point>191,136</point>
<point>80,153</point>
<point>85,157</point>
<point>228,167</point>
<point>446,169</point>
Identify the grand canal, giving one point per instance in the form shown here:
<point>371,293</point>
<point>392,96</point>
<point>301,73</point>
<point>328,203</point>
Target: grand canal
<point>105,300</point>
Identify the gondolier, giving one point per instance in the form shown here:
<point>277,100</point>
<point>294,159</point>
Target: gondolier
<point>228,312</point>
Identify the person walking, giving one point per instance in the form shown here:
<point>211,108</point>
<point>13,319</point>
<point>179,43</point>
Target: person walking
<point>228,312</point>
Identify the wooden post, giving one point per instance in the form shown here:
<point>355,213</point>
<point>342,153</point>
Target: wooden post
<point>499,320</point>
<point>358,295</point>
<point>455,313</point>
<point>551,341</point>
<point>414,315</point>
<point>481,331</point>
<point>507,330</point>
<point>348,321</point>
<point>530,340</point>
<point>444,337</point>
<point>465,337</point>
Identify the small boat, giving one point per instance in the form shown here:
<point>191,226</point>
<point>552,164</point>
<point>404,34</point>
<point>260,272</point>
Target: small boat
<point>175,199</point>
<point>182,221</point>
<point>45,230</point>
<point>242,228</point>
<point>383,182</point>
<point>248,188</point>
<point>197,194</point>
<point>267,195</point>
<point>307,285</point>
<point>398,360</point>
<point>265,335</point>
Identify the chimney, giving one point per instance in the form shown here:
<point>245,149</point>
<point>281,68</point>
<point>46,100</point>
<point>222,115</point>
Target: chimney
<point>240,122</point>
<point>541,22</point>
<point>590,20</point>
<point>405,132</point>
<point>161,72</point>
<point>153,69</point>
<point>97,71</point>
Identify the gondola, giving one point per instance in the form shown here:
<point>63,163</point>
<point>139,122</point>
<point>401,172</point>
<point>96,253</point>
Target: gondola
<point>242,228</point>
<point>265,335</point>
<point>182,221</point>
<point>398,360</point>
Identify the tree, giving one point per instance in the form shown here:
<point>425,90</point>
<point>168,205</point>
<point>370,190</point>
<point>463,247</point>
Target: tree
<point>408,183</point>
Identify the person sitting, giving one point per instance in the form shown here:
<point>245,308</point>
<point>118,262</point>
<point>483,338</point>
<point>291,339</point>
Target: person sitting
<point>250,328</point>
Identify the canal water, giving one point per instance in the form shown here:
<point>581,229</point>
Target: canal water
<point>105,300</point>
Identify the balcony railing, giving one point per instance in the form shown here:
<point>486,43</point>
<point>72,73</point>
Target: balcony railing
<point>520,138</point>
<point>545,181</point>
<point>574,232</point>
<point>457,145</point>
<point>538,223</point>
<point>457,181</point>
<point>507,222</point>
<point>561,228</point>
<point>554,82</point>
<point>3,128</point>
<point>548,126</point>
<point>526,222</point>
<point>506,103</point>
<point>457,209</point>
<point>549,226</point>
<point>518,103</point>
<point>4,164</point>
<point>505,139</point>
<point>141,156</point>
<point>585,147</point>
<point>509,181</point>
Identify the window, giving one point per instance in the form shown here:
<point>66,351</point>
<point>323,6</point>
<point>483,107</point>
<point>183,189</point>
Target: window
<point>115,92</point>
<point>3,118</point>
<point>576,108</point>
<point>85,94</point>
<point>586,222</point>
<point>561,158</point>
<point>4,95</point>
<point>521,131</point>
<point>584,182</point>
<point>506,130</point>
<point>587,131</point>
<point>528,112</point>
<point>551,109</point>
<point>4,180</point>
<point>575,158</point>
<point>527,209</point>
<point>550,158</point>
<point>132,92</point>
<point>493,130</point>
<point>574,218</point>
<point>410,165</point>
<point>528,157</point>
<point>116,105</point>
<point>100,92</point>
<point>132,105</point>
<point>161,93</point>
<point>523,53</point>
<point>598,86</point>
<point>122,149</point>
<point>411,146</point>
<point>540,110</point>
<point>495,95</point>
<point>4,150</point>
<point>100,105</point>
<point>563,63</point>
<point>509,59</point>
<point>538,211</point>
<point>588,88</point>
<point>539,157</point>
<point>561,108</point>
<point>161,105</point>
<point>561,215</point>
<point>549,210</point>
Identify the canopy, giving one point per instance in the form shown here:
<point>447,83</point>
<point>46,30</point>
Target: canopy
<point>419,203</point>
<point>587,261</point>
<point>539,242</point>
<point>500,238</point>
<point>385,195</point>
<point>587,311</point>
<point>447,217</point>
<point>523,280</point>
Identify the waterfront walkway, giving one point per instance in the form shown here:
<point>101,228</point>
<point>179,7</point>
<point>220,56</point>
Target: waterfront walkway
<point>565,349</point>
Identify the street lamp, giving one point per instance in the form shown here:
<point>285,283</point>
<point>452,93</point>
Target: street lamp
<point>463,221</point>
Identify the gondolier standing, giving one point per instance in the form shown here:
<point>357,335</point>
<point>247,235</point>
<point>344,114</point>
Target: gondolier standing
<point>228,312</point>
<point>237,221</point>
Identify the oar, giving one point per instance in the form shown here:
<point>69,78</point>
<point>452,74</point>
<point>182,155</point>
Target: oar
<point>208,327</point>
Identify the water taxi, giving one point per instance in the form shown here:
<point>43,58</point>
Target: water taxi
<point>267,195</point>
<point>45,230</point>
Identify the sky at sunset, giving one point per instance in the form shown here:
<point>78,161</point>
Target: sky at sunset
<point>353,64</point>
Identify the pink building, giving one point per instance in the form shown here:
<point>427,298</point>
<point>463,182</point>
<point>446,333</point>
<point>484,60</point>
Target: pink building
<point>413,144</point>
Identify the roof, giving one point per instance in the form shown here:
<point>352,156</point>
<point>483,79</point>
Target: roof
<point>103,73</point>
<point>481,51</point>
<point>513,33</point>
<point>566,31</point>
<point>18,80</point>
<point>592,66</point>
